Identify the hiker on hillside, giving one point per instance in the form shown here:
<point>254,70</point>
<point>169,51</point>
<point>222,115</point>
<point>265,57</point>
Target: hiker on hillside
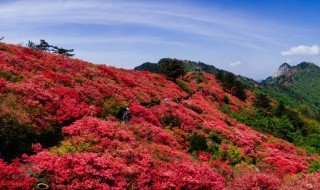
<point>126,116</point>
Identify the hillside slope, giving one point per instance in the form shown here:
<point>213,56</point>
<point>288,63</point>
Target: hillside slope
<point>191,66</point>
<point>299,87</point>
<point>65,115</point>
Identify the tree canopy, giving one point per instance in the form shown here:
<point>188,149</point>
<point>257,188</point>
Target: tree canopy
<point>171,68</point>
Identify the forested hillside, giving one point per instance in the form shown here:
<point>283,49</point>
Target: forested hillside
<point>61,125</point>
<point>299,88</point>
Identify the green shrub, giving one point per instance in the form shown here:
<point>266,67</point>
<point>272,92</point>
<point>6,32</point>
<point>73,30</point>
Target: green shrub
<point>113,107</point>
<point>185,87</point>
<point>314,167</point>
<point>171,120</point>
<point>200,79</point>
<point>193,108</point>
<point>234,155</point>
<point>74,147</point>
<point>197,142</point>
<point>9,75</point>
<point>225,99</point>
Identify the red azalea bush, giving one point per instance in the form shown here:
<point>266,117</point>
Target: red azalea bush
<point>255,181</point>
<point>13,176</point>
<point>118,160</point>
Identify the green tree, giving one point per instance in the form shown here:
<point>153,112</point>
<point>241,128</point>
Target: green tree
<point>262,101</point>
<point>171,68</point>
<point>280,109</point>
<point>239,92</point>
<point>225,99</point>
<point>197,142</point>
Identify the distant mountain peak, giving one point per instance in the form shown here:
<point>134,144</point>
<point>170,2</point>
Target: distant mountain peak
<point>305,65</point>
<point>283,69</point>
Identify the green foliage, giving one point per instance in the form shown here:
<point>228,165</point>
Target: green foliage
<point>239,92</point>
<point>9,75</point>
<point>73,147</point>
<point>262,101</point>
<point>312,140</point>
<point>214,146</point>
<point>299,89</point>
<point>314,167</point>
<point>171,68</point>
<point>185,87</point>
<point>197,142</point>
<point>15,133</point>
<point>199,78</point>
<point>282,122</point>
<point>113,107</point>
<point>232,85</point>
<point>225,99</point>
<point>151,67</point>
<point>152,103</point>
<point>171,120</point>
<point>280,109</point>
<point>234,155</point>
<point>193,108</point>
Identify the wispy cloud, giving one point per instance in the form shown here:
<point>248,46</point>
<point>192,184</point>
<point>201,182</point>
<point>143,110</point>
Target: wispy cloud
<point>232,64</point>
<point>302,50</point>
<point>219,25</point>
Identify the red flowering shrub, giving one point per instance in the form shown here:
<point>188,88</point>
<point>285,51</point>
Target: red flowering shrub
<point>302,182</point>
<point>3,84</point>
<point>142,114</point>
<point>255,181</point>
<point>124,161</point>
<point>14,177</point>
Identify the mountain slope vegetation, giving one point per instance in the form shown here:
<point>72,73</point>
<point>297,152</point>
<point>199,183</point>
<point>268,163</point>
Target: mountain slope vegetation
<point>61,126</point>
<point>299,88</point>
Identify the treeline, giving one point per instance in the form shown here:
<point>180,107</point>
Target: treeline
<point>173,68</point>
<point>231,84</point>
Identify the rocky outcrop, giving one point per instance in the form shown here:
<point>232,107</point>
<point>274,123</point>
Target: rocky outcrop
<point>283,69</point>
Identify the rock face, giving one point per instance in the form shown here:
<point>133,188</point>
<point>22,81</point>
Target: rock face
<point>283,69</point>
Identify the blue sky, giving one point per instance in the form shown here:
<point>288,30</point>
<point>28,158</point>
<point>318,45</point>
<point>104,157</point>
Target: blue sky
<point>248,37</point>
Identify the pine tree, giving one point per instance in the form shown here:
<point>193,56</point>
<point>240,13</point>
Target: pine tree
<point>45,46</point>
<point>62,51</point>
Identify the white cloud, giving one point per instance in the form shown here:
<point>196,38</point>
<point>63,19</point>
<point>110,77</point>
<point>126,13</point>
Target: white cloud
<point>302,50</point>
<point>235,63</point>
